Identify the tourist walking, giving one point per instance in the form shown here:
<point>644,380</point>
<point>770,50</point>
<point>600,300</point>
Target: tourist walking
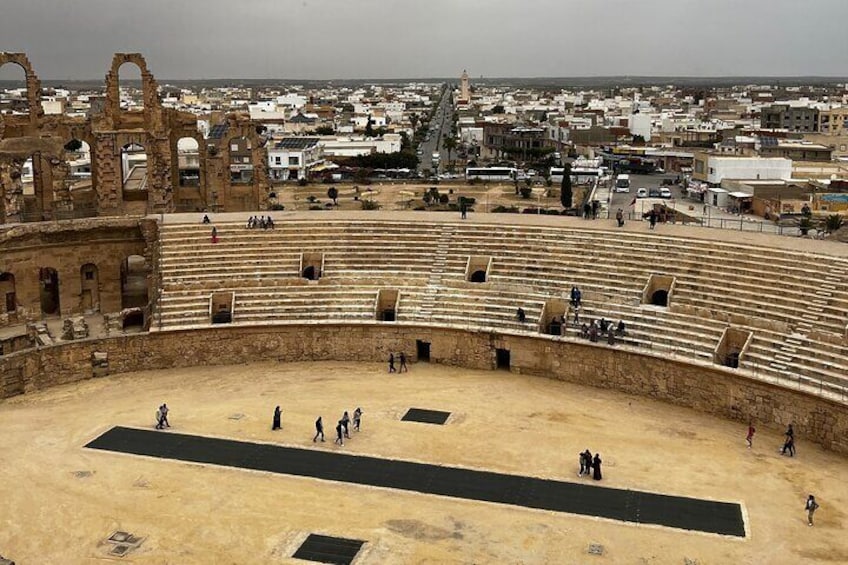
<point>214,235</point>
<point>163,416</point>
<point>357,417</point>
<point>346,424</point>
<point>788,445</point>
<point>403,367</point>
<point>585,463</point>
<point>750,437</point>
<point>652,218</point>
<point>596,467</point>
<point>159,424</point>
<point>789,442</point>
<point>339,436</point>
<point>811,507</point>
<point>278,414</point>
<point>463,209</point>
<point>619,217</point>
<point>319,429</point>
<point>392,363</point>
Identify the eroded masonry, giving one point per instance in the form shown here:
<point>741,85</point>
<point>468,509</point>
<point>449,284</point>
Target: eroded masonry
<point>38,153</point>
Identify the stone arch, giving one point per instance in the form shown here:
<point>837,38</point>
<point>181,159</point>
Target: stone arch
<point>8,296</point>
<point>89,288</point>
<point>134,167</point>
<point>149,88</point>
<point>188,172</point>
<point>33,84</point>
<point>659,297</point>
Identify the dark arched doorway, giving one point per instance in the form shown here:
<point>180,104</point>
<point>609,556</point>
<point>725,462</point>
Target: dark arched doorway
<point>478,276</point>
<point>659,298</point>
<point>48,279</point>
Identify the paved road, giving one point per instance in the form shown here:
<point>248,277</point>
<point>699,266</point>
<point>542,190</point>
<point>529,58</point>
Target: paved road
<point>623,199</point>
<point>441,123</point>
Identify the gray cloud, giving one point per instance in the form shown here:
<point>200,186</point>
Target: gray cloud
<point>430,38</point>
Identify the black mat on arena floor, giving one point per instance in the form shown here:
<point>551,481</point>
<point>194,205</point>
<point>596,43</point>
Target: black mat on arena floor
<point>588,499</point>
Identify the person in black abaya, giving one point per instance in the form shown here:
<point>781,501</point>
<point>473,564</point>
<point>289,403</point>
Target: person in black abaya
<point>277,417</point>
<point>596,467</point>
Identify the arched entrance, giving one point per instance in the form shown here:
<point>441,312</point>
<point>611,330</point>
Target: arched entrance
<point>132,90</point>
<point>13,74</point>
<point>48,279</point>
<point>8,299</point>
<point>188,162</point>
<point>659,297</point>
<point>89,288</point>
<point>133,168</point>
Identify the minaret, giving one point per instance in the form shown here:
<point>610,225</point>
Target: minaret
<point>464,93</point>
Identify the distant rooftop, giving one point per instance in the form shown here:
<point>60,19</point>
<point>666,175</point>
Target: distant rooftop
<point>297,142</point>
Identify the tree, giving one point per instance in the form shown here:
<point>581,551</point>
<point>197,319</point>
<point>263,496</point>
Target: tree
<point>369,129</point>
<point>565,189</point>
<point>333,194</point>
<point>449,143</point>
<point>413,120</point>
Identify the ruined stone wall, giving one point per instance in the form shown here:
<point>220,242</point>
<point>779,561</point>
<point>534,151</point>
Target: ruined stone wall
<point>714,391</point>
<point>67,246</point>
<point>107,130</point>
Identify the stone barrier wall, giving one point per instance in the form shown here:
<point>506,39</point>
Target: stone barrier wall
<point>712,390</point>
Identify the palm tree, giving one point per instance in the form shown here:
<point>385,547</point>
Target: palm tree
<point>449,143</point>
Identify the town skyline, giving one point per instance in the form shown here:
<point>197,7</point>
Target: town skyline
<point>323,40</point>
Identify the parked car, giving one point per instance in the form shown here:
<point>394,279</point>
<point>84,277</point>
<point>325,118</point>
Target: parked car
<point>642,193</point>
<point>654,193</point>
<point>665,192</point>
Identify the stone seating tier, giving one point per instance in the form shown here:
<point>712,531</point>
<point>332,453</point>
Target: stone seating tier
<point>715,282</point>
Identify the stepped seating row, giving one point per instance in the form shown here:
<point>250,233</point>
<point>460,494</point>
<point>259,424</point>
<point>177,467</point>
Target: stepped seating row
<point>721,281</point>
<point>427,263</point>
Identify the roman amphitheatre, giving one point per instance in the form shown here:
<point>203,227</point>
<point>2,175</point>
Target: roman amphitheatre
<point>108,315</point>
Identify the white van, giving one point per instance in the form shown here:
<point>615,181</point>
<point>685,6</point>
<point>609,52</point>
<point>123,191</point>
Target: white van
<point>622,183</point>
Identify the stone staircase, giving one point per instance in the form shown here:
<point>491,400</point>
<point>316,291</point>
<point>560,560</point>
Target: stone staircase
<point>820,300</point>
<point>434,282</point>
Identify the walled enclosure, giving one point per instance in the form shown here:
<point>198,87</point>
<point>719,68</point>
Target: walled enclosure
<point>66,247</point>
<point>713,390</point>
<point>107,130</point>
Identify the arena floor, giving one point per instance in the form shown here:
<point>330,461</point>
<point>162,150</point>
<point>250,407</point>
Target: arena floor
<point>61,501</point>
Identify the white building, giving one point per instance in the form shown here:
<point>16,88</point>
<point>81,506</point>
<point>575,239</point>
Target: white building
<point>292,158</point>
<point>715,168</point>
<point>356,146</point>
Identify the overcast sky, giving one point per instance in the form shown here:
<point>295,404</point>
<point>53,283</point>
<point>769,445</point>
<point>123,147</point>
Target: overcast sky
<point>325,39</point>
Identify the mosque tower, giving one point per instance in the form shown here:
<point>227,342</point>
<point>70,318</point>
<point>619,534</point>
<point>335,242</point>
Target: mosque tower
<point>464,92</point>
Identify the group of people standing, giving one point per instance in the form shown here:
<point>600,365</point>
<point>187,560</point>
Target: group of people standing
<point>590,465</point>
<point>401,368</point>
<point>342,428</point>
<point>260,222</point>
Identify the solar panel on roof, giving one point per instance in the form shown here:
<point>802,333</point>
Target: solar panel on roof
<point>217,132</point>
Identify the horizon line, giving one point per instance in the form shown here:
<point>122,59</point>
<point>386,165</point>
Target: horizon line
<point>482,77</point>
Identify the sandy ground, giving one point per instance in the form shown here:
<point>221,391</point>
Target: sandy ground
<point>61,501</point>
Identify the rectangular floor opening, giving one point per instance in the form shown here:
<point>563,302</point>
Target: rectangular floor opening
<point>327,549</point>
<point>426,416</point>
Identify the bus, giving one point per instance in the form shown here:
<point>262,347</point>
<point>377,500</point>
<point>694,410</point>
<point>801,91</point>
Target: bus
<point>491,173</point>
<point>622,183</point>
